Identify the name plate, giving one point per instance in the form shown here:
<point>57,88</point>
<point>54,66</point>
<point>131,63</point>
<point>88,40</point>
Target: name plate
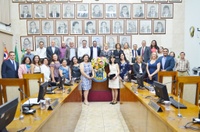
<point>53,104</point>
<point>155,106</point>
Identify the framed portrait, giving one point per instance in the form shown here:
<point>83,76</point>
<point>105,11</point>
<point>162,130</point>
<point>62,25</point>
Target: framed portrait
<point>80,39</point>
<point>68,10</point>
<point>47,0</point>
<point>124,10</point>
<point>62,0</point>
<point>111,10</point>
<point>99,40</point>
<point>125,39</point>
<point>167,11</point>
<point>33,27</point>
<point>118,26</point>
<point>132,26</point>
<point>18,1</point>
<point>32,0</point>
<point>147,0</point>
<point>40,11</point>
<point>76,0</point>
<point>138,11</point>
<point>61,27</point>
<point>161,1</point>
<point>76,27</point>
<point>82,10</point>
<point>39,39</point>
<point>104,26</point>
<point>54,10</point>
<point>175,1</point>
<point>152,11</point>
<point>159,27</point>
<point>68,39</point>
<point>47,27</point>
<point>26,42</point>
<point>25,11</point>
<point>57,40</point>
<point>111,40</point>
<point>90,27</point>
<point>145,27</point>
<point>97,11</point>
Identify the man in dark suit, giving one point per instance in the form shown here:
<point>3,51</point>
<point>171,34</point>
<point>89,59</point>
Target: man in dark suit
<point>9,68</point>
<point>94,50</point>
<point>54,13</point>
<point>167,62</point>
<point>134,53</point>
<point>71,51</point>
<point>52,50</point>
<point>25,12</point>
<point>145,52</point>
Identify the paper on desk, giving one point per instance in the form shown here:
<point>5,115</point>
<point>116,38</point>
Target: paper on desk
<point>32,101</point>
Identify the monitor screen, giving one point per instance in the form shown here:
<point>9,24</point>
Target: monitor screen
<point>161,91</point>
<point>7,113</point>
<point>140,81</point>
<point>62,82</point>
<point>42,91</point>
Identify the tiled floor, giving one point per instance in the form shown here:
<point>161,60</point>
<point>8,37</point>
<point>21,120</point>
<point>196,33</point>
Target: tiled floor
<point>101,117</point>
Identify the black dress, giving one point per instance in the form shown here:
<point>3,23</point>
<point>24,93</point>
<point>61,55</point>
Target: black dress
<point>76,73</point>
<point>117,53</point>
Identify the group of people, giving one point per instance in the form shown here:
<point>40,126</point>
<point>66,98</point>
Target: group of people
<point>74,63</point>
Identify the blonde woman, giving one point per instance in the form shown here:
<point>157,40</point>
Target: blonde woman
<point>106,52</point>
<point>127,52</point>
<point>153,67</point>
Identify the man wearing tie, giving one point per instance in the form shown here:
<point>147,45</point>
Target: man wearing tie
<point>52,50</point>
<point>134,53</point>
<point>145,52</point>
<point>9,68</point>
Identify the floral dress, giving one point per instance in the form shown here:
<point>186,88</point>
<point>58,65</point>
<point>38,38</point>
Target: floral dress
<point>86,83</point>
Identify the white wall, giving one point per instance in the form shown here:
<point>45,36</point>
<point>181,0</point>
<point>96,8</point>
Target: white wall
<point>192,45</point>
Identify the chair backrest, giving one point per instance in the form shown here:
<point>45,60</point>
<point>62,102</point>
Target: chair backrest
<point>38,77</point>
<point>20,83</point>
<point>173,74</point>
<point>181,80</point>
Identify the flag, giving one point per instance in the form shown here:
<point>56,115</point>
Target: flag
<point>23,53</point>
<point>5,55</point>
<point>16,54</point>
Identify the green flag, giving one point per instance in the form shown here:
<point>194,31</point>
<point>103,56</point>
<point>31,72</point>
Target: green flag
<point>16,54</point>
<point>23,52</point>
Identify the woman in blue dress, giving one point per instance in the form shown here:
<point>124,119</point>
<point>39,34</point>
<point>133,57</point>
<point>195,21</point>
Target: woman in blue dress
<point>153,67</point>
<point>64,70</point>
<point>87,74</point>
<point>124,67</point>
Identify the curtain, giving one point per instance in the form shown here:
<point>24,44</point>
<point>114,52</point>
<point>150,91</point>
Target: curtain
<point>5,11</point>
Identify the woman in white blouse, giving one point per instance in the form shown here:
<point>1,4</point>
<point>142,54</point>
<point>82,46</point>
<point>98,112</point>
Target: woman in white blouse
<point>127,52</point>
<point>45,69</point>
<point>35,66</point>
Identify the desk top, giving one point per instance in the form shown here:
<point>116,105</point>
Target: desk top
<point>36,121</point>
<point>170,118</point>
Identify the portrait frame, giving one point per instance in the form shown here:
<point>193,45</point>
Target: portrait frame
<point>47,0</point>
<point>76,0</point>
<point>147,0</point>
<point>71,14</point>
<point>94,6</point>
<point>58,40</point>
<point>51,24</point>
<point>82,14</point>
<point>170,15</point>
<point>79,29</point>
<point>18,1</point>
<point>111,14</point>
<point>32,1</point>
<point>94,27</point>
<point>130,30</point>
<point>116,29</point>
<point>161,1</point>
<point>37,30</point>
<point>155,27</point>
<point>126,15</point>
<point>152,11</point>
<point>138,14</point>
<point>57,14</point>
<point>99,39</point>
<point>145,27</point>
<point>125,38</point>
<point>81,38</point>
<point>62,27</point>
<point>29,9</point>
<point>28,38</point>
<point>106,29</point>
<point>111,44</point>
<point>175,1</point>
<point>68,39</point>
<point>44,6</point>
<point>41,38</point>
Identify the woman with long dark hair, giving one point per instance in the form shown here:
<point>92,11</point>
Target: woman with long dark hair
<point>154,47</point>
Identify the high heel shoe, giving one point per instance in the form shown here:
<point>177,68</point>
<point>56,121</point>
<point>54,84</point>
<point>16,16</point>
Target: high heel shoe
<point>114,103</point>
<point>111,102</point>
<point>86,103</point>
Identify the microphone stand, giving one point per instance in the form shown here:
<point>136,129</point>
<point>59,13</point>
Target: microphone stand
<point>179,113</point>
<point>21,117</point>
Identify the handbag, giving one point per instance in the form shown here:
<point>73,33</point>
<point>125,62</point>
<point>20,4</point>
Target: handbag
<point>111,76</point>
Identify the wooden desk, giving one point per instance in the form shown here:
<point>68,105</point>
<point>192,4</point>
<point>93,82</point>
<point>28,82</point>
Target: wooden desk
<point>140,117</point>
<point>63,118</point>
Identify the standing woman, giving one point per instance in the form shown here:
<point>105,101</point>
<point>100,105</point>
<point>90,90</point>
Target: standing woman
<point>64,70</point>
<point>54,67</point>
<point>106,52</point>
<point>114,82</point>
<point>154,47</point>
<point>127,52</point>
<point>45,69</point>
<point>117,52</point>
<point>24,68</point>
<point>124,67</point>
<point>35,66</point>
<point>87,73</point>
<point>75,68</point>
<point>153,67</point>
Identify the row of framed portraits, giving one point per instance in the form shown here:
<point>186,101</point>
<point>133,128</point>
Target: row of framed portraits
<point>96,10</point>
<point>96,27</point>
<point>111,40</point>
